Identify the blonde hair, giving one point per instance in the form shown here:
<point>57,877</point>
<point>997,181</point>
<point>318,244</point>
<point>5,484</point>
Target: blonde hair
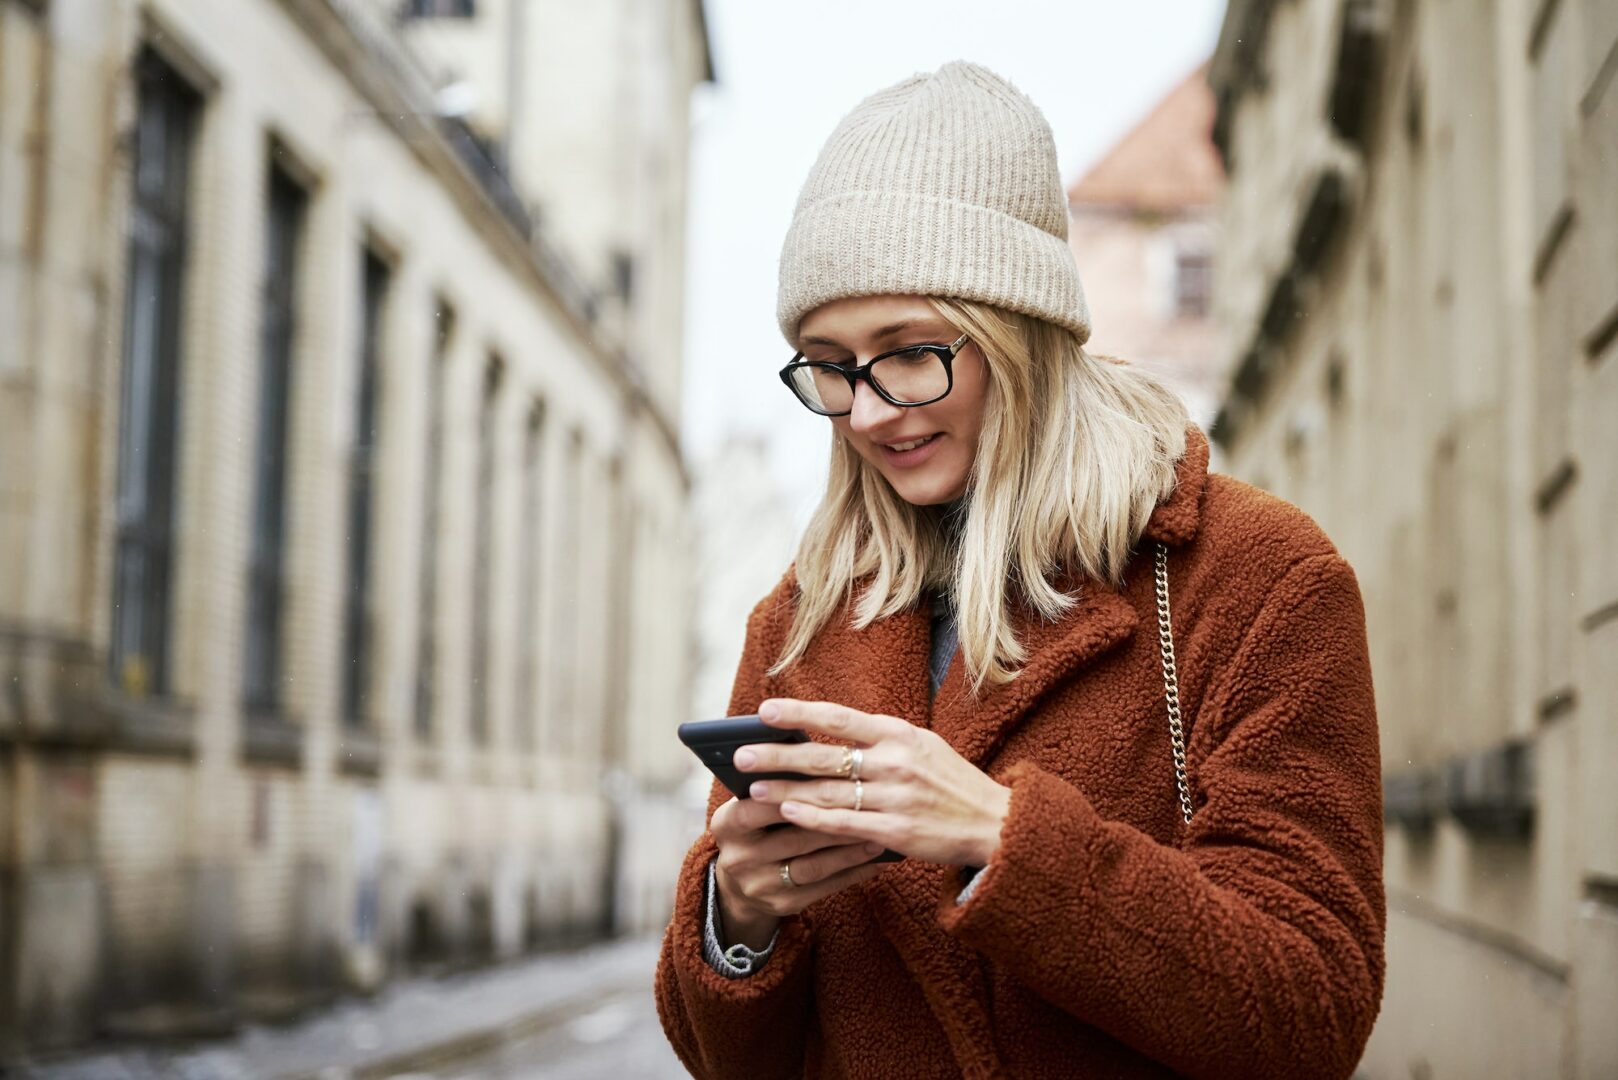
<point>1074,452</point>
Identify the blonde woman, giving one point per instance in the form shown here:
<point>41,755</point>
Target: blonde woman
<point>1115,711</point>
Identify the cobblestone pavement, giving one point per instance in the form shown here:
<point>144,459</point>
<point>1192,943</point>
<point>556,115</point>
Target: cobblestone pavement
<point>569,1016</point>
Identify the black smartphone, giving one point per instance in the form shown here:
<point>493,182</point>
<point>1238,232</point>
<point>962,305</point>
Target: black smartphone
<point>715,743</point>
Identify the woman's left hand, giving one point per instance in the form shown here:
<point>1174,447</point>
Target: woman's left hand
<point>917,795</point>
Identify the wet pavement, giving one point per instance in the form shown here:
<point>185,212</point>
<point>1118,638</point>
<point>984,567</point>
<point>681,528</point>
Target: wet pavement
<point>569,1016</point>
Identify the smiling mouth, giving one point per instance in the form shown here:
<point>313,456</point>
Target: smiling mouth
<point>912,444</point>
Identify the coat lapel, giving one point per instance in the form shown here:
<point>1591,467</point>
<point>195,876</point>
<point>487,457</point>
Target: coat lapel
<point>1100,620</point>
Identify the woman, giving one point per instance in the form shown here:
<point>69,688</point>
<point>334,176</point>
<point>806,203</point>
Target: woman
<point>1140,803</point>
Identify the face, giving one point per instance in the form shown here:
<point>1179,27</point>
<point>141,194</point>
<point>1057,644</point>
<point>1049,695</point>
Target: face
<point>852,331</point>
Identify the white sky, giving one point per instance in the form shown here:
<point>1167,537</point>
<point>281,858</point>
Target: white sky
<point>787,73</point>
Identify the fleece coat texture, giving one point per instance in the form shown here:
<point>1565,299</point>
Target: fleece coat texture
<point>1106,937</point>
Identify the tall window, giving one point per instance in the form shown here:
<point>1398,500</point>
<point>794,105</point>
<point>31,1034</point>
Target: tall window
<point>283,217</point>
<point>361,481</point>
<point>565,724</point>
<point>527,631</point>
<point>432,478</point>
<point>440,9</point>
<point>484,539</point>
<point>1193,282</point>
<point>165,122</point>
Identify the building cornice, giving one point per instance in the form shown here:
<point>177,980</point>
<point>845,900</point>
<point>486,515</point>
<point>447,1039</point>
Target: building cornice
<point>389,76</point>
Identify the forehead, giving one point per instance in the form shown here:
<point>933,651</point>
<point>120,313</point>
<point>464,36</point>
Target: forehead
<point>866,319</point>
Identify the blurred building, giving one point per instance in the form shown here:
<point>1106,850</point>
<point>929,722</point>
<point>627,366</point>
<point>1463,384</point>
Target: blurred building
<point>345,585</point>
<point>748,538</point>
<point>1419,280</point>
<point>1143,230</point>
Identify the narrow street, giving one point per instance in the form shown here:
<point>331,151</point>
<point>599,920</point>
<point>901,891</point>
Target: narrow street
<point>618,1036</point>
<point>567,1016</point>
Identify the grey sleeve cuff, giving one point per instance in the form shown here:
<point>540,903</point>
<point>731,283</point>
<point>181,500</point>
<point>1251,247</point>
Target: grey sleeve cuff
<point>973,874</point>
<point>738,961</point>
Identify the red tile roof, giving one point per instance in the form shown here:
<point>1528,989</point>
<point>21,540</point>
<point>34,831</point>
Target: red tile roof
<point>1166,162</point>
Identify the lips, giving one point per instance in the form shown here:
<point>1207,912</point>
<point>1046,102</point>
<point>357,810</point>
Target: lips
<point>919,440</point>
<point>921,450</point>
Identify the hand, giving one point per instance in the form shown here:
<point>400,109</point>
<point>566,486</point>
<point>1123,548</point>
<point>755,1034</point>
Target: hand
<point>918,796</point>
<point>752,895</point>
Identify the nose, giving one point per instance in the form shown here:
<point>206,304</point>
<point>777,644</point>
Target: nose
<point>870,411</point>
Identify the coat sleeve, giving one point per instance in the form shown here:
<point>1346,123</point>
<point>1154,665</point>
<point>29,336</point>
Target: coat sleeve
<point>1258,945</point>
<point>753,1027</point>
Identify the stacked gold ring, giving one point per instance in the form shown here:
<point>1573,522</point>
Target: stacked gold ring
<point>847,766</point>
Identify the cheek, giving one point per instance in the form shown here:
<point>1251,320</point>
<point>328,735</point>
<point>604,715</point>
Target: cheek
<point>964,415</point>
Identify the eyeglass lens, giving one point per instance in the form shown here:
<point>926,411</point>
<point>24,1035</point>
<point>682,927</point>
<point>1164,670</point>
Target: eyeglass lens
<point>908,377</point>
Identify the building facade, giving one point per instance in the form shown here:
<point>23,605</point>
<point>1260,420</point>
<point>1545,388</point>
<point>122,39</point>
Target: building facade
<point>1418,281</point>
<point>1144,227</point>
<point>344,580</point>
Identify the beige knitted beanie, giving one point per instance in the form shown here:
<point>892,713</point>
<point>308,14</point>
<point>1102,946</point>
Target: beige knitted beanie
<point>943,184</point>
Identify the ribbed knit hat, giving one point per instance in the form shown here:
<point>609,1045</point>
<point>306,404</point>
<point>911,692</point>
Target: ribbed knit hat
<point>943,184</point>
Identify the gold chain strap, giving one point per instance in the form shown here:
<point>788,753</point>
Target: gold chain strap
<point>1171,683</point>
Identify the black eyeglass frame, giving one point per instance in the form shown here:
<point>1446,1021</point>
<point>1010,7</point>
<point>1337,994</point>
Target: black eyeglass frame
<point>945,353</point>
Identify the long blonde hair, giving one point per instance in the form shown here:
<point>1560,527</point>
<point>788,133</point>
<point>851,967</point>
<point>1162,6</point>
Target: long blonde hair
<point>1075,451</point>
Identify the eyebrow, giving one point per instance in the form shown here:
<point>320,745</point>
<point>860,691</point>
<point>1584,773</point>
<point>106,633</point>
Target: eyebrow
<point>882,334</point>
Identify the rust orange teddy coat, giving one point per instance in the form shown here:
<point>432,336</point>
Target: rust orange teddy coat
<point>1106,938</point>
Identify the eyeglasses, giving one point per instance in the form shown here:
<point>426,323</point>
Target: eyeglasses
<point>914,375</point>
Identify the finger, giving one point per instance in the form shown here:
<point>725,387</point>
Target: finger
<point>831,794</point>
<point>812,759</point>
<point>885,829</point>
<point>818,866</point>
<point>747,816</point>
<point>791,842</point>
<point>803,897</point>
<point>830,719</point>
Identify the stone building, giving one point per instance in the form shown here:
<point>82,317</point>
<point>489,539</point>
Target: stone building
<point>1418,279</point>
<point>344,571</point>
<point>1143,231</point>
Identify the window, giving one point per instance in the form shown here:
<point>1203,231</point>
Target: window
<point>484,540</point>
<point>527,632</point>
<point>431,521</point>
<point>361,482</point>
<point>623,274</point>
<point>564,733</point>
<point>283,216</point>
<point>165,123</point>
<point>1193,281</point>
<point>440,9</point>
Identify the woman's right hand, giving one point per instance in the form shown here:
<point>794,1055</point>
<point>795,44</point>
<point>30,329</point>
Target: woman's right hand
<point>752,897</point>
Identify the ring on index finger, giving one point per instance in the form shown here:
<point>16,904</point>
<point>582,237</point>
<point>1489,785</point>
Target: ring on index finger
<point>856,761</point>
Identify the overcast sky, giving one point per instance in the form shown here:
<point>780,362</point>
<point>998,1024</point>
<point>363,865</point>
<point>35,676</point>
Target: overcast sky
<point>787,73</point>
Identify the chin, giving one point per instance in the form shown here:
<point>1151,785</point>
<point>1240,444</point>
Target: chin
<point>923,491</point>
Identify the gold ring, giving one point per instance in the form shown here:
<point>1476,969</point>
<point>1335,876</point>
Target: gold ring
<point>859,796</point>
<point>786,876</point>
<point>856,760</point>
<point>847,767</point>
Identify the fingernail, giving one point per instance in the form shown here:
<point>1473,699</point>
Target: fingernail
<point>759,790</point>
<point>789,809</point>
<point>873,849</point>
<point>745,759</point>
<point>769,711</point>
